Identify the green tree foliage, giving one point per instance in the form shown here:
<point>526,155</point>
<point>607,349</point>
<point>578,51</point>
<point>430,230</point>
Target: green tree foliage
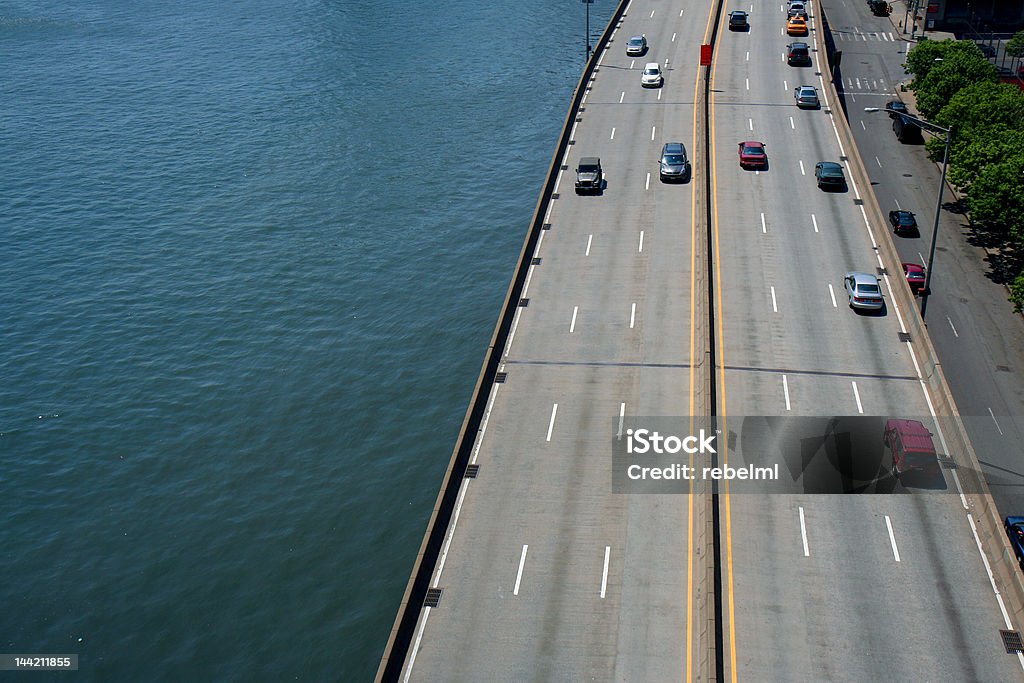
<point>922,56</point>
<point>1015,47</point>
<point>997,197</point>
<point>972,154</point>
<point>945,79</point>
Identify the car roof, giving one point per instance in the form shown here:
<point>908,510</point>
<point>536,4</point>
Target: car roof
<point>752,143</point>
<point>637,38</point>
<point>673,148</point>
<point>1012,520</point>
<point>830,164</point>
<point>738,12</point>
<point>914,434</point>
<point>807,87</point>
<point>913,266</point>
<point>863,278</point>
<point>650,65</point>
<point>590,161</point>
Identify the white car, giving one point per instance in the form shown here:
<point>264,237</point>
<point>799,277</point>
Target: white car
<point>652,77</point>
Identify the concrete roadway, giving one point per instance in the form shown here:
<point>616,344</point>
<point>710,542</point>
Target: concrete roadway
<point>825,587</point>
<point>971,324</point>
<point>550,576</point>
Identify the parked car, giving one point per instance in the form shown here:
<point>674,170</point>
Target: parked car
<point>674,163</point>
<point>738,21</point>
<point>798,54</point>
<point>829,174</point>
<point>589,175</point>
<point>796,26</point>
<point>915,276</point>
<point>637,46</point>
<point>1015,532</point>
<point>895,107</point>
<point>806,97</point>
<point>911,446</point>
<point>863,291</point>
<point>903,222</point>
<point>880,8</point>
<point>651,77</point>
<point>906,129</point>
<point>752,154</point>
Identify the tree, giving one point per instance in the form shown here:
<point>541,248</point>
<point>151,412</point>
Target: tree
<point>922,56</point>
<point>1017,294</point>
<point>1015,47</point>
<point>997,197</point>
<point>974,153</point>
<point>944,79</point>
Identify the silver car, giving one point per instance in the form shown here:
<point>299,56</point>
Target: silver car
<point>806,97</point>
<point>674,164</point>
<point>863,291</point>
<point>651,77</point>
<point>636,46</point>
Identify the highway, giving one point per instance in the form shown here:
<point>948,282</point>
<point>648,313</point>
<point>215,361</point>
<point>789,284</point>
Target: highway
<point>549,575</point>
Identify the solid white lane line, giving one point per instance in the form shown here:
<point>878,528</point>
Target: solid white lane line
<point>791,124</point>
<point>803,533</point>
<point>622,96</point>
<point>613,133</point>
<point>785,390</point>
<point>953,328</point>
<point>878,162</point>
<point>892,539</point>
<point>653,129</point>
<point>590,239</point>
<point>572,325</point>
<point>775,306</point>
<point>622,415</point>
<point>815,222</point>
<point>519,574</point>
<point>832,294</point>
<point>551,424</point>
<point>802,171</point>
<point>993,416</point>
<point>641,247</point>
<point>856,395</point>
<point>673,37</point>
<point>604,574</point>
<point>632,315</point>
<point>764,227</point>
<point>647,185</point>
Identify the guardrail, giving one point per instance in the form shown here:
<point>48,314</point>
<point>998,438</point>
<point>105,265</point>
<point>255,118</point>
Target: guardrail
<point>401,636</point>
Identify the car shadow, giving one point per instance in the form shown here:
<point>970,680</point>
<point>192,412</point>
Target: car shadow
<point>872,312</point>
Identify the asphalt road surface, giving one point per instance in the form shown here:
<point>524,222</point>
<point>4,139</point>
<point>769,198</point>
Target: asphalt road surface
<point>547,574</point>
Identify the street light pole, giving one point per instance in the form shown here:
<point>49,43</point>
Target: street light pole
<point>935,227</point>
<point>588,3</point>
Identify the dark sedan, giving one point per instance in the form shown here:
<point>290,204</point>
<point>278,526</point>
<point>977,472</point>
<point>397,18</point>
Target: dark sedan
<point>1015,531</point>
<point>903,222</point>
<point>829,174</point>
<point>895,107</point>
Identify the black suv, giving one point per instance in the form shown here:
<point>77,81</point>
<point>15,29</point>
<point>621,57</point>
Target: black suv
<point>589,176</point>
<point>798,54</point>
<point>738,21</point>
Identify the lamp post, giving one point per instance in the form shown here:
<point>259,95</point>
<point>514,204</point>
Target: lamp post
<point>588,3</point>
<point>938,202</point>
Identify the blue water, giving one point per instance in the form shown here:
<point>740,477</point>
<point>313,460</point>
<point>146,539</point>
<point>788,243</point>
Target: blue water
<point>252,255</point>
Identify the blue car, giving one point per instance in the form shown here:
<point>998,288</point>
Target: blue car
<point>1015,530</point>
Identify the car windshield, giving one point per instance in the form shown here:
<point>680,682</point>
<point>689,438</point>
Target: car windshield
<point>906,218</point>
<point>587,168</point>
<point>867,289</point>
<point>675,159</point>
<point>651,72</point>
<point>636,42</point>
<point>752,150</point>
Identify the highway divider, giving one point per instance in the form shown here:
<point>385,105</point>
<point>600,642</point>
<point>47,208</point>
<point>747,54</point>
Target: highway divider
<point>983,515</point>
<point>402,631</point>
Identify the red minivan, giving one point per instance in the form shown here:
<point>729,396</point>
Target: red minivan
<point>911,446</point>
